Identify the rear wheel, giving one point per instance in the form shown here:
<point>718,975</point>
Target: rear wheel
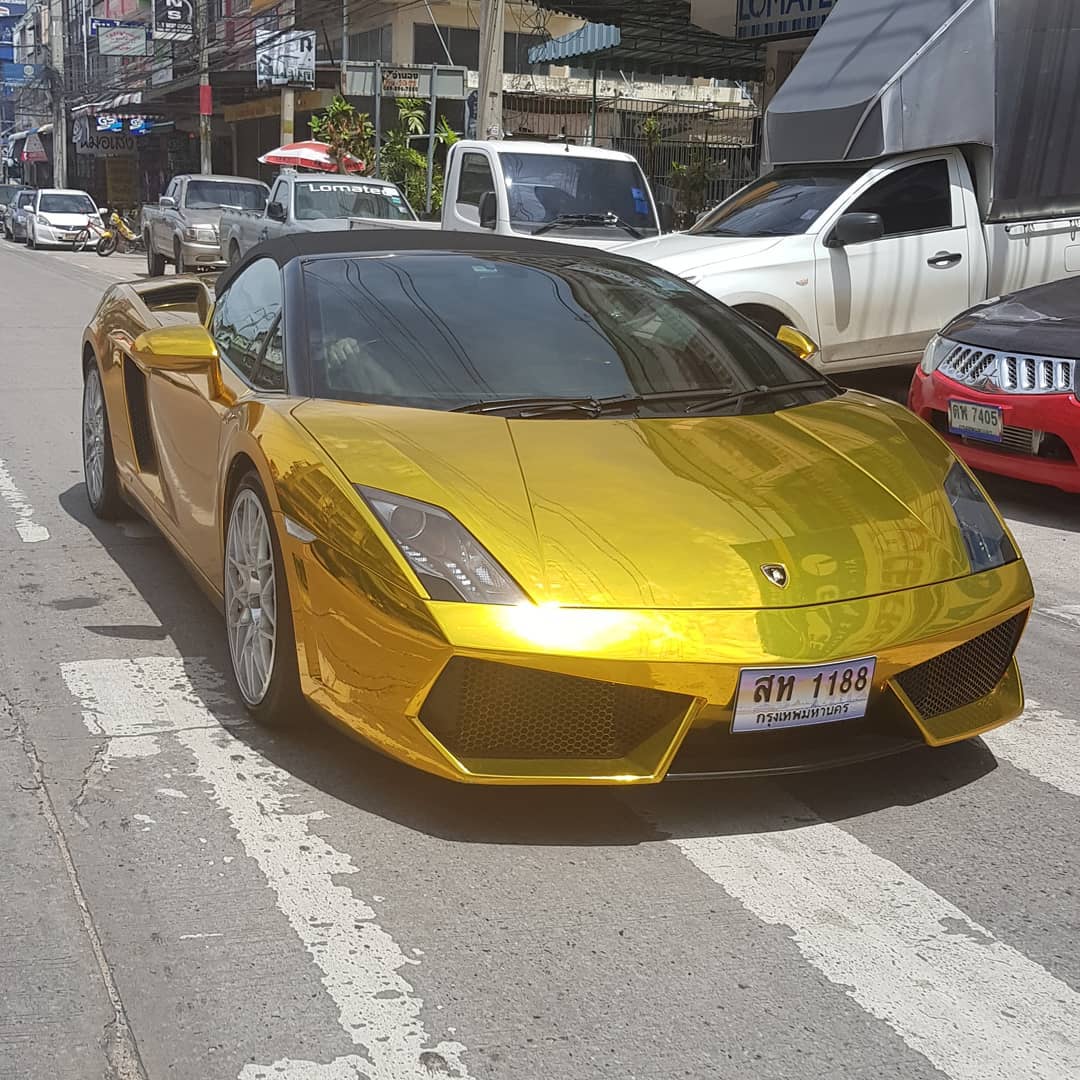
<point>107,245</point>
<point>99,466</point>
<point>258,615</point>
<point>155,263</point>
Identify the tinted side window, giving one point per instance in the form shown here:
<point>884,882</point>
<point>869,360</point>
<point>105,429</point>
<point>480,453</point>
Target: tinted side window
<point>915,199</point>
<point>475,179</point>
<point>245,314</point>
<point>173,190</point>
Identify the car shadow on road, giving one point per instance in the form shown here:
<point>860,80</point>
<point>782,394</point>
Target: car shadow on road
<point>1034,504</point>
<point>319,755</point>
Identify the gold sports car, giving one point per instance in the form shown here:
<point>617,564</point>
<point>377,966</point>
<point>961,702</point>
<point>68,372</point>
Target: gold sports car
<point>522,513</point>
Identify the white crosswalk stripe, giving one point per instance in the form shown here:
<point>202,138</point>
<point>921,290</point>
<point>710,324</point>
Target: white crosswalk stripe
<point>359,961</point>
<point>973,1006</point>
<point>1044,743</point>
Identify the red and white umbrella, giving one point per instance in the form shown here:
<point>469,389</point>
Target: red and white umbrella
<point>310,155</point>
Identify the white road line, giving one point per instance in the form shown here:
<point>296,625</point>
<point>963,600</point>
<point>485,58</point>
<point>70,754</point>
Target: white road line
<point>360,962</point>
<point>25,526</point>
<point>1042,742</point>
<point>973,1006</point>
<point>1069,613</point>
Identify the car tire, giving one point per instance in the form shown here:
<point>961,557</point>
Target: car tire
<point>178,260</point>
<point>234,253</point>
<point>30,242</point>
<point>99,465</point>
<point>155,263</point>
<point>265,672</point>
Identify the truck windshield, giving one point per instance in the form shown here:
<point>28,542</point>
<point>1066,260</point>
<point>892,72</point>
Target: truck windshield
<point>214,194</point>
<point>544,187</point>
<point>784,203</point>
<point>336,199</point>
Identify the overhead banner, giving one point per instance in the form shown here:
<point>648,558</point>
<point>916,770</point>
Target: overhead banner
<point>760,19</point>
<point>12,11</point>
<point>174,20</point>
<point>285,58</point>
<point>121,41</point>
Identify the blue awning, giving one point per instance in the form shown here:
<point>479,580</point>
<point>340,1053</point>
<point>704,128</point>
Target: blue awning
<point>588,39</point>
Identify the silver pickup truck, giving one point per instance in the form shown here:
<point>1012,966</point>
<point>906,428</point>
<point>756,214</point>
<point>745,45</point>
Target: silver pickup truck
<point>301,202</point>
<point>183,227</point>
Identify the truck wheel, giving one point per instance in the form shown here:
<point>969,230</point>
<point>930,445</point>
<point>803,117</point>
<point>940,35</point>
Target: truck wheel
<point>178,259</point>
<point>155,263</point>
<point>234,253</point>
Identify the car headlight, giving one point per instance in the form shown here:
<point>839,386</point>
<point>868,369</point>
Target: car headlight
<point>450,562</point>
<point>934,355</point>
<point>200,234</point>
<point>987,543</point>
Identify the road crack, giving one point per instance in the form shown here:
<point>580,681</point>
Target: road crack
<point>96,760</point>
<point>117,1040</point>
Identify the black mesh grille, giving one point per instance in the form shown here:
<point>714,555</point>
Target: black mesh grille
<point>479,709</point>
<point>964,674</point>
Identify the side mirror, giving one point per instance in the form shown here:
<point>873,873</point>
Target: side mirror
<point>275,211</point>
<point>666,212</point>
<point>856,229</point>
<point>489,210</point>
<point>176,348</point>
<point>103,213</point>
<point>797,342</point>
<point>167,202</point>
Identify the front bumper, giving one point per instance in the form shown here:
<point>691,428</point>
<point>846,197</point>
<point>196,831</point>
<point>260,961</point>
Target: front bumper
<point>56,235</point>
<point>202,254</point>
<point>537,695</point>
<point>1053,415</point>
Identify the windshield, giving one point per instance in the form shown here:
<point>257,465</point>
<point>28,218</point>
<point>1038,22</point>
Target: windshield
<point>214,194</point>
<point>544,187</point>
<point>74,203</point>
<point>780,204</point>
<point>445,330</point>
<point>7,194</point>
<point>315,201</point>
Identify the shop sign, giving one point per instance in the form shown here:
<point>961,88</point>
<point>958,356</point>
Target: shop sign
<point>284,58</point>
<point>758,19</point>
<point>20,74</point>
<point>102,143</point>
<point>174,20</point>
<point>260,108</point>
<point>122,41</point>
<point>10,10</point>
<point>404,81</point>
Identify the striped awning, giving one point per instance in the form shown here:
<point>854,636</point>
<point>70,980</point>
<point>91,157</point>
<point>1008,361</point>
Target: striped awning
<point>586,40</point>
<point>110,105</point>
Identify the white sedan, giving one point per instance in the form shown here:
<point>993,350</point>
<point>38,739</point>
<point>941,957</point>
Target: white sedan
<point>58,215</point>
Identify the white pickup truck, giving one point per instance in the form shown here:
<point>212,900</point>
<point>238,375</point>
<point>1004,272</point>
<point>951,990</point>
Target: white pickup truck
<point>553,191</point>
<point>302,202</point>
<point>870,261</point>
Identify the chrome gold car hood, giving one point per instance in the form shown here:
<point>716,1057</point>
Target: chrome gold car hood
<point>845,496</point>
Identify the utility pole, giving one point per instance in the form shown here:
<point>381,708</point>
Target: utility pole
<point>489,98</point>
<point>57,27</point>
<point>206,101</point>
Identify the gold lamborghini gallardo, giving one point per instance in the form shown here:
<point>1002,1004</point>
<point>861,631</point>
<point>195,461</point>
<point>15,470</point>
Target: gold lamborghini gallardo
<point>521,513</point>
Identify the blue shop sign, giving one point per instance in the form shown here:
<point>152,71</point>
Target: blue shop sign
<point>780,18</point>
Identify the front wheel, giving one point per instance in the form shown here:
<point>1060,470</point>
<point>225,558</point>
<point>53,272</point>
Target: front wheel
<point>31,242</point>
<point>181,266</point>
<point>258,615</point>
<point>155,263</point>
<point>107,245</point>
<point>99,466</point>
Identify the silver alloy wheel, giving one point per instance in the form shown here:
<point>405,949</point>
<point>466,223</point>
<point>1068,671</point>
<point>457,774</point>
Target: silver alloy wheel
<point>94,436</point>
<point>250,596</point>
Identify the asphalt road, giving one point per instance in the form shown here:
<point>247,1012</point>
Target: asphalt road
<point>184,896</point>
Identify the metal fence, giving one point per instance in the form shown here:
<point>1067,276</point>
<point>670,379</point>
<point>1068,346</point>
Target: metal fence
<point>718,143</point>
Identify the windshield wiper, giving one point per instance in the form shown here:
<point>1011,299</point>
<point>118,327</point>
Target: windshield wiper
<point>529,408</point>
<point>755,394</point>
<point>570,221</point>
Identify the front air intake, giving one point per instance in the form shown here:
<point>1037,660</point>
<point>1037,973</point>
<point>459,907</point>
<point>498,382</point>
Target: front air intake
<point>965,674</point>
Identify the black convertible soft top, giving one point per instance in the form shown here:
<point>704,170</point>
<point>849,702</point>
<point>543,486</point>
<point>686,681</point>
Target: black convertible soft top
<point>368,241</point>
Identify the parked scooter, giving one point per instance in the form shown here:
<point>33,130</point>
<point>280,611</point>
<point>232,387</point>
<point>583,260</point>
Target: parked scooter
<point>119,236</point>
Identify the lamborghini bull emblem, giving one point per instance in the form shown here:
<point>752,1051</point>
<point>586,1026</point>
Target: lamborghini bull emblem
<point>776,573</point>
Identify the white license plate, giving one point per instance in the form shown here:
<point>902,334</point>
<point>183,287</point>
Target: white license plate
<point>975,421</point>
<point>770,699</point>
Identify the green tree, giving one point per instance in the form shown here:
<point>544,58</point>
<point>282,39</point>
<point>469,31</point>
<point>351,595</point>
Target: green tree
<point>401,158</point>
<point>345,131</point>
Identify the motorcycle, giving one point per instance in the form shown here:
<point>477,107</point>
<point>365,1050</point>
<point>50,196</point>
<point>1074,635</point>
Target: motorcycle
<point>119,236</point>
